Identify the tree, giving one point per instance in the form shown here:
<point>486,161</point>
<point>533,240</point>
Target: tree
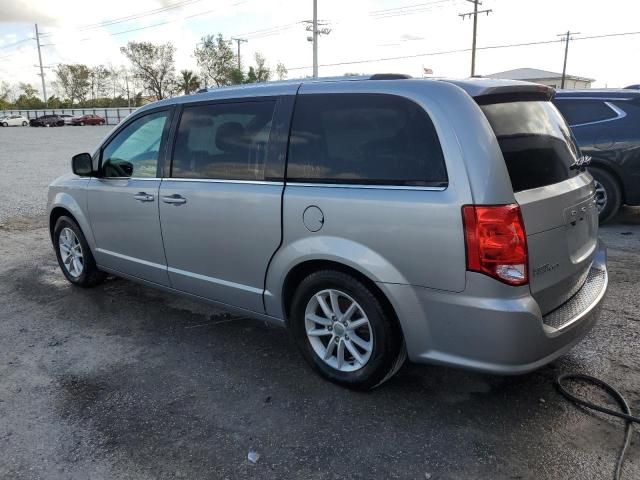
<point>154,65</point>
<point>72,81</point>
<point>237,77</point>
<point>27,90</point>
<point>262,71</point>
<point>251,76</point>
<point>281,71</point>
<point>99,78</point>
<point>215,59</point>
<point>28,99</point>
<point>189,82</point>
<point>5,92</point>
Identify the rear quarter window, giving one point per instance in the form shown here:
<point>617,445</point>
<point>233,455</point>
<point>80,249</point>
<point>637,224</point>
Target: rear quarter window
<point>578,112</point>
<point>373,139</point>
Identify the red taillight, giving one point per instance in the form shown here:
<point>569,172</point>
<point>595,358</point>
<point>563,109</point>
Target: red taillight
<point>496,243</point>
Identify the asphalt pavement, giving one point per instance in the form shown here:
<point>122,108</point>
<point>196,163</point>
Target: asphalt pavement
<point>122,381</point>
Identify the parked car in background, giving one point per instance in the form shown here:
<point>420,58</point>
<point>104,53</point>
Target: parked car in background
<point>88,120</point>
<point>47,121</point>
<point>377,218</point>
<point>67,119</point>
<point>14,121</point>
<point>606,125</point>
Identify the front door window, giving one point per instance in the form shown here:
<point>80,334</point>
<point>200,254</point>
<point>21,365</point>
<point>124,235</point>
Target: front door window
<point>134,151</point>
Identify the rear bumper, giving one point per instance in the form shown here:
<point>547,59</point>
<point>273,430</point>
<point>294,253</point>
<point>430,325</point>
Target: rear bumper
<point>503,332</point>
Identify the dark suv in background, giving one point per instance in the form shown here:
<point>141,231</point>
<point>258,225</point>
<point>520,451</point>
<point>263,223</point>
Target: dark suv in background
<point>47,121</point>
<point>606,125</point>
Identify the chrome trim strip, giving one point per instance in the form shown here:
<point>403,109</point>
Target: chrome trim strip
<point>602,99</point>
<point>215,180</point>
<point>129,178</point>
<point>217,281</point>
<point>374,187</point>
<point>131,259</point>
<point>617,110</point>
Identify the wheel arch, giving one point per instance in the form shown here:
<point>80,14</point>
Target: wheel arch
<point>65,204</point>
<point>305,268</point>
<point>613,171</point>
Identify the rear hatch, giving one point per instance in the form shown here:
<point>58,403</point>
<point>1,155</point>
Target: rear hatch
<point>555,196</point>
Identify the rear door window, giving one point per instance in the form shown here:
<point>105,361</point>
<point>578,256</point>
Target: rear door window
<point>227,141</point>
<point>372,139</point>
<point>536,142</point>
<point>579,112</point>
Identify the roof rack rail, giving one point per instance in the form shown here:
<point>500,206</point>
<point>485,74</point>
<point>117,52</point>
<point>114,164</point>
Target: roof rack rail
<point>389,76</point>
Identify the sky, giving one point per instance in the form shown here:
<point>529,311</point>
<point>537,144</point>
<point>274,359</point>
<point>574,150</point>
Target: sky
<point>362,33</point>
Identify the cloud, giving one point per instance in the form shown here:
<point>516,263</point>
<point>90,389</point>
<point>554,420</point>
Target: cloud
<point>27,11</point>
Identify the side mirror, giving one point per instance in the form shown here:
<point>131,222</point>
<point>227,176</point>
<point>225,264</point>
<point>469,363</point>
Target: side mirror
<point>82,165</point>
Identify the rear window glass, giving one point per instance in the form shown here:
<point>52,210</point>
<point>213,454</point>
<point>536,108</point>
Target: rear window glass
<point>577,112</point>
<point>536,143</point>
<point>371,139</point>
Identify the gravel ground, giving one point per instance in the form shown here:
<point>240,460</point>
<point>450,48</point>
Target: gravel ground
<point>122,381</point>
<point>30,158</point>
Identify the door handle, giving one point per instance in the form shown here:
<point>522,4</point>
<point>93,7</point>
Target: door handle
<point>143,197</point>
<point>174,199</point>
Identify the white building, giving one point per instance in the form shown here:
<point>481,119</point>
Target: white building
<point>552,79</point>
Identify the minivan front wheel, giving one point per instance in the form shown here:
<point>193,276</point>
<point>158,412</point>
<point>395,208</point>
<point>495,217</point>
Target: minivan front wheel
<point>74,255</point>
<point>608,194</point>
<point>344,332</point>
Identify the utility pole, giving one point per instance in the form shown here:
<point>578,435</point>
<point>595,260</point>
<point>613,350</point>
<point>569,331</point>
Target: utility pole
<point>316,28</point>
<point>566,53</point>
<point>239,41</point>
<point>315,38</point>
<point>474,14</point>
<point>44,88</point>
<point>126,81</point>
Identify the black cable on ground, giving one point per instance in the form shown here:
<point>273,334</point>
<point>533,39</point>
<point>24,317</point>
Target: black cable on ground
<point>625,414</point>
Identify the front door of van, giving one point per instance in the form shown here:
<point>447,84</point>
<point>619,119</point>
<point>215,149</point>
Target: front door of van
<point>220,206</point>
<point>123,202</point>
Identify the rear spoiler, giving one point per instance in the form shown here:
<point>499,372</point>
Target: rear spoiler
<point>515,93</point>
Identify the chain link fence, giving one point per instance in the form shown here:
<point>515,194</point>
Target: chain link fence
<point>113,116</point>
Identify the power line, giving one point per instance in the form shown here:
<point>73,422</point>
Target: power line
<point>16,43</point>
<point>135,16</point>
<point>415,5</point>
<point>113,34</point>
<point>463,50</point>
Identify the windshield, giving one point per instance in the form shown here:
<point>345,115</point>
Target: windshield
<point>535,140</point>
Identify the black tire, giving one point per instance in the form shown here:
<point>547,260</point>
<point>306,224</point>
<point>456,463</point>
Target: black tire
<point>82,124</point>
<point>388,352</point>
<point>5,124</point>
<point>90,275</point>
<point>24,124</point>
<point>612,191</point>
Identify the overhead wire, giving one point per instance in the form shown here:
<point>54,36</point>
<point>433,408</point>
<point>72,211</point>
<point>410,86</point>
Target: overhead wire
<point>462,50</point>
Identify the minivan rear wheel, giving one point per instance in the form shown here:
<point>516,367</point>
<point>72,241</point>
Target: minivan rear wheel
<point>608,194</point>
<point>74,255</point>
<point>344,332</point>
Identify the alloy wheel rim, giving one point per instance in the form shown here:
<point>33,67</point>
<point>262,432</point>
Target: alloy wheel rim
<point>601,196</point>
<point>338,330</point>
<point>71,252</point>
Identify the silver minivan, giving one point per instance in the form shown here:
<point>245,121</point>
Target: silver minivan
<point>377,218</point>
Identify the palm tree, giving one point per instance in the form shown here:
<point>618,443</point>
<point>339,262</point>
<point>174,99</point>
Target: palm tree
<point>189,82</point>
